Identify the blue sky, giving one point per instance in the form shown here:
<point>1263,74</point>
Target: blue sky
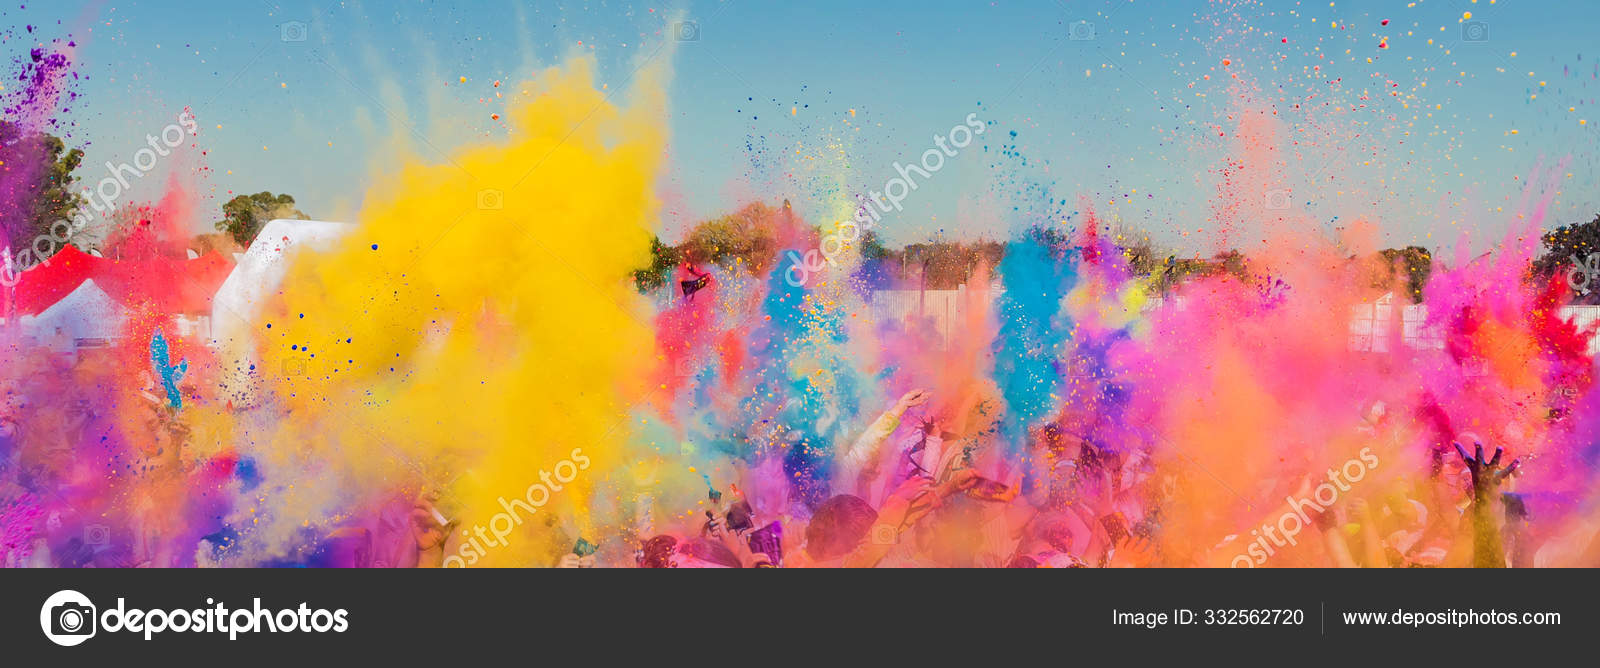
<point>1427,138</point>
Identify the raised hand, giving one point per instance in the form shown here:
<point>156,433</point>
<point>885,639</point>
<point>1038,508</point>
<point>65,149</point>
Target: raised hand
<point>1486,475</point>
<point>913,494</point>
<point>915,398</point>
<point>1133,551</point>
<point>735,541</point>
<point>1487,549</point>
<point>1361,509</point>
<point>427,530</point>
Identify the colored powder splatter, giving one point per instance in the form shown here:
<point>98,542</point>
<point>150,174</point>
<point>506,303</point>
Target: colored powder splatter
<point>1036,273</point>
<point>170,374</point>
<point>19,521</point>
<point>495,368</point>
<point>523,315</point>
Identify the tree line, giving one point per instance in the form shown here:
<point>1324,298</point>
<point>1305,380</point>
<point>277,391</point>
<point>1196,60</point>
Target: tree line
<point>39,188</point>
<point>748,239</point>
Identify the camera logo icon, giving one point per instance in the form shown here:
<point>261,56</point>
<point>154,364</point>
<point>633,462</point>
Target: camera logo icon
<point>96,535</point>
<point>1475,31</point>
<point>292,31</point>
<point>1080,31</point>
<point>68,618</point>
<point>686,31</point>
<point>490,199</point>
<point>1277,200</point>
<point>883,534</point>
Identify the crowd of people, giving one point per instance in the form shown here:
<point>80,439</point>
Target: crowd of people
<point>946,493</point>
<point>923,503</point>
<point>53,450</point>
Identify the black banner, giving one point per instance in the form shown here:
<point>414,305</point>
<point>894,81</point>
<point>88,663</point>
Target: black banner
<point>611,615</point>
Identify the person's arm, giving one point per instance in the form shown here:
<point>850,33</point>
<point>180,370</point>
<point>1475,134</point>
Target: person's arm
<point>429,534</point>
<point>1488,550</point>
<point>1135,552</point>
<point>893,518</point>
<point>1437,525</point>
<point>1372,555</point>
<point>1516,511</point>
<point>737,543</point>
<point>431,557</point>
<point>1333,536</point>
<point>1303,491</point>
<point>1460,553</point>
<point>1590,557</point>
<point>911,502</point>
<point>861,461</point>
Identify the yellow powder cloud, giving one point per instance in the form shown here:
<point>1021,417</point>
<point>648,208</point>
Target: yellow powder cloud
<point>491,331</point>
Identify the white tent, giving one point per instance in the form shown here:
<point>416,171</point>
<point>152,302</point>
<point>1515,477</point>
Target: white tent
<point>86,316</point>
<point>1584,316</point>
<point>255,279</point>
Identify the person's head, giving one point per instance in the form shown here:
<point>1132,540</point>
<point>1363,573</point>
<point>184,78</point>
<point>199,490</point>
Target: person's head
<point>838,526</point>
<point>657,552</point>
<point>1023,561</point>
<point>1055,530</point>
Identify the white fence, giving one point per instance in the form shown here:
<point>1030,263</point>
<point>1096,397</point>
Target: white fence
<point>1371,325</point>
<point>943,307</point>
<point>1584,316</point>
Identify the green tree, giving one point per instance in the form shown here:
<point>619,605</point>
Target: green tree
<point>872,247</point>
<point>243,216</point>
<point>1565,243</point>
<point>38,189</point>
<point>1142,256</point>
<point>663,259</point>
<point>1175,271</point>
<point>945,265</point>
<point>1417,264</point>
<point>748,237</point>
